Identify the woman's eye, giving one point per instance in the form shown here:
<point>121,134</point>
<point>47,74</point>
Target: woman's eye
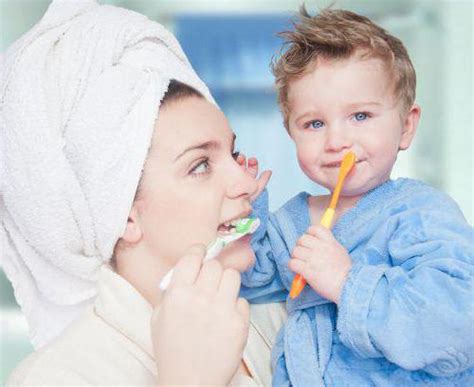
<point>315,124</point>
<point>361,116</point>
<point>235,154</point>
<point>201,169</point>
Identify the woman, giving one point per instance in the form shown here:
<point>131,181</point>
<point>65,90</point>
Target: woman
<point>80,98</point>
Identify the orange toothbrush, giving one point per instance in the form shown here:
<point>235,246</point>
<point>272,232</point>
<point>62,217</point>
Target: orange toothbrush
<point>347,163</point>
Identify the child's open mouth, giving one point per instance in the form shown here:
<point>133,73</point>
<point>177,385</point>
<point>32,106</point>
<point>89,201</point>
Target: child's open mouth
<point>337,164</point>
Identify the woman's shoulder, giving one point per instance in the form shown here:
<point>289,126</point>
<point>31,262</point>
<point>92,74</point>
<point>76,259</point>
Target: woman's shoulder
<point>38,369</point>
<point>267,319</point>
<point>45,367</point>
<point>265,323</point>
<point>56,363</point>
<point>88,353</point>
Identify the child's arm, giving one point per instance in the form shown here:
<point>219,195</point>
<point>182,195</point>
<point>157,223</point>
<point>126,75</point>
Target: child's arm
<point>418,313</point>
<point>262,282</point>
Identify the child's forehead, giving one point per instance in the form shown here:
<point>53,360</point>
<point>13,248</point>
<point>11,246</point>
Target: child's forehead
<point>347,80</point>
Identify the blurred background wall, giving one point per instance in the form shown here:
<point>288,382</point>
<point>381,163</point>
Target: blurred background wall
<point>231,42</point>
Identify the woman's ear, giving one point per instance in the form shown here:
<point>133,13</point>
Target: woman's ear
<point>409,126</point>
<point>133,231</point>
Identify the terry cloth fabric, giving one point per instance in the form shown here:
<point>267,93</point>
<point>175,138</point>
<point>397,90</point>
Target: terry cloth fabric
<point>405,315</point>
<point>79,95</point>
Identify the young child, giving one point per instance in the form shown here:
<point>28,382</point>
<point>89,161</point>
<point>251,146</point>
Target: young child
<point>390,295</point>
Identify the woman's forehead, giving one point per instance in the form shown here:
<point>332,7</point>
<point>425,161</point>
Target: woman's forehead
<point>190,122</point>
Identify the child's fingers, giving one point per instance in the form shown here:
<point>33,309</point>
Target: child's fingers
<point>320,232</point>
<point>252,166</point>
<point>297,266</point>
<point>241,160</point>
<point>261,184</point>
<point>301,253</point>
<point>308,241</point>
<point>187,269</point>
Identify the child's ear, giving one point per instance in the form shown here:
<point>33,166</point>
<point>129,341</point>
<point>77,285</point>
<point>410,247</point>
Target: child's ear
<point>133,231</point>
<point>409,126</point>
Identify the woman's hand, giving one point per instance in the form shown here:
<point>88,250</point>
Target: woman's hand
<point>200,327</point>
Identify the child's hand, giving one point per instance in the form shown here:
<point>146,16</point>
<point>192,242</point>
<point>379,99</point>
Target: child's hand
<point>322,262</point>
<point>251,166</point>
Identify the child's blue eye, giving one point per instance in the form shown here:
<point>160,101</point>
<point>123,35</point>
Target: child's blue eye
<point>360,116</point>
<point>315,124</point>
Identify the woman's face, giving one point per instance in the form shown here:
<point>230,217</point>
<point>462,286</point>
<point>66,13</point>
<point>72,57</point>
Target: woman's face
<point>192,184</point>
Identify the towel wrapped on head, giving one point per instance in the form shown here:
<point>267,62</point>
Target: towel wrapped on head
<point>79,96</point>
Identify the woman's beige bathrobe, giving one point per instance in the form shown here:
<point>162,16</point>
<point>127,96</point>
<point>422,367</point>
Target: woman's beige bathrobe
<point>111,344</point>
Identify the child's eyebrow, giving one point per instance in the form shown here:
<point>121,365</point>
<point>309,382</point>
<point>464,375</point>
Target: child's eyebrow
<point>363,103</point>
<point>311,113</point>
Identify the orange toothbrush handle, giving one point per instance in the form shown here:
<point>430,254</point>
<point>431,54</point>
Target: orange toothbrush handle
<point>347,164</point>
<point>297,286</point>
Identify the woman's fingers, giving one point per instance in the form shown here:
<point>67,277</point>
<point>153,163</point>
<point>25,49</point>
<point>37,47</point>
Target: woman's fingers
<point>230,285</point>
<point>210,276</point>
<point>187,269</point>
<point>243,308</point>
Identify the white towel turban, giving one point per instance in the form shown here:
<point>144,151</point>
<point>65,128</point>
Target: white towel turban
<point>79,95</point>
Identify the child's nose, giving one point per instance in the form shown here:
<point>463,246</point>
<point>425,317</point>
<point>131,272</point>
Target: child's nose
<point>241,184</point>
<point>338,139</point>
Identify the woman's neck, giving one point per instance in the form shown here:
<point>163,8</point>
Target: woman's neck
<point>142,271</point>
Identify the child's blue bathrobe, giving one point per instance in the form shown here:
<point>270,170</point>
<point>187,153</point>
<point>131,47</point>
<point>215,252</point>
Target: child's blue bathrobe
<point>406,314</point>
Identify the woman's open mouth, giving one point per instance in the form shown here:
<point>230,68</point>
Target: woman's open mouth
<point>228,227</point>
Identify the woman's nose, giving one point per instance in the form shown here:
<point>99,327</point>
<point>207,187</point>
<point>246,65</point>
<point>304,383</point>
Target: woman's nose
<point>241,183</point>
<point>338,139</point>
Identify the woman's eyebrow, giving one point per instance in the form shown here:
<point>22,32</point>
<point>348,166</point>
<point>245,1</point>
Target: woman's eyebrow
<point>204,145</point>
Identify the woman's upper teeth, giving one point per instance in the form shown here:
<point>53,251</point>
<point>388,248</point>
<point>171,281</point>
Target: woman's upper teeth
<point>232,222</point>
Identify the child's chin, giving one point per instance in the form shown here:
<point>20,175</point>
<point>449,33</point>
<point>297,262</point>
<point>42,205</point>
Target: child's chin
<point>352,188</point>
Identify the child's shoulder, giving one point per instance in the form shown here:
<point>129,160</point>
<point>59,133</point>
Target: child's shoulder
<point>296,204</point>
<point>416,193</point>
<point>295,209</point>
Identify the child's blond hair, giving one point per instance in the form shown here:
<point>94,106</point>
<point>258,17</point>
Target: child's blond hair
<point>338,34</point>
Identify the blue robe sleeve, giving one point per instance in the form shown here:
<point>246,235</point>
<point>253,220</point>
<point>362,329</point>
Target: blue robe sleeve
<point>418,311</point>
<point>262,282</point>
